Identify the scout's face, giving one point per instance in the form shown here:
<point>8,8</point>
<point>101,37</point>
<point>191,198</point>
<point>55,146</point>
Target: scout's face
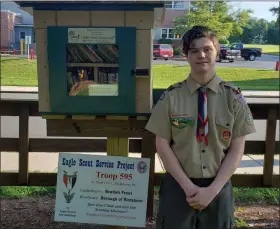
<point>202,55</point>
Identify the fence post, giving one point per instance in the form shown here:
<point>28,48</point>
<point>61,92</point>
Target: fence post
<point>117,147</point>
<point>148,151</point>
<point>23,144</point>
<point>269,147</point>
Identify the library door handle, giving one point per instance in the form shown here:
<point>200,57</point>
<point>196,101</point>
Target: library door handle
<point>132,72</point>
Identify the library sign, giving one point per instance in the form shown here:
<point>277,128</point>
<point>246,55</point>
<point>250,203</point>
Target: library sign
<point>92,35</point>
<point>106,190</point>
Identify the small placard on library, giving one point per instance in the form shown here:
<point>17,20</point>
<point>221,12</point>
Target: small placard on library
<point>92,35</point>
<point>107,190</point>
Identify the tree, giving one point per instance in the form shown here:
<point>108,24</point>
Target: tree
<point>217,15</point>
<point>276,10</point>
<point>272,36</point>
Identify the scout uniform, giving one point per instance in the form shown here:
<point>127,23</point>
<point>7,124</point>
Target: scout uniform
<point>199,122</point>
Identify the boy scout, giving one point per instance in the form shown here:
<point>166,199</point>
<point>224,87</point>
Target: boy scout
<point>200,126</point>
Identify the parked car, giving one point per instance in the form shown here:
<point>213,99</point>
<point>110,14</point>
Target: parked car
<point>162,51</point>
<point>227,54</point>
<point>247,53</point>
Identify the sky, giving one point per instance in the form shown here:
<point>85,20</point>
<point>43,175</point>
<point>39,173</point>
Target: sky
<point>260,8</point>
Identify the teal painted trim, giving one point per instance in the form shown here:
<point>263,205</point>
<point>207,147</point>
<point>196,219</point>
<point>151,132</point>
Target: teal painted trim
<point>60,102</point>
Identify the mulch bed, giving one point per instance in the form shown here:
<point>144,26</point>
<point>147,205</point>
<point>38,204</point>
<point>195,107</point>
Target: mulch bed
<point>37,213</point>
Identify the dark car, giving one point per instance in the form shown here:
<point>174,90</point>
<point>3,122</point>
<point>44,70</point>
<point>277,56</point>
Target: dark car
<point>227,54</point>
<point>247,53</point>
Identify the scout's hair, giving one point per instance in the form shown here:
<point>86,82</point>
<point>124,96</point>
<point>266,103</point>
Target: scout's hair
<point>197,32</point>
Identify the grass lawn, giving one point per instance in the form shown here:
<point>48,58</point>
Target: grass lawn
<point>23,72</point>
<point>267,49</point>
<point>242,195</point>
<point>247,79</point>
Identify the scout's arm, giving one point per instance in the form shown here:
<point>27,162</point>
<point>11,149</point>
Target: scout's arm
<point>159,124</point>
<point>229,164</point>
<point>173,166</point>
<point>243,125</point>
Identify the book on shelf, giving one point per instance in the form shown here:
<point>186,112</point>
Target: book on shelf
<point>105,75</point>
<point>86,53</point>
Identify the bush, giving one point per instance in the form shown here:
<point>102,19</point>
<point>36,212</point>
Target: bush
<point>178,52</point>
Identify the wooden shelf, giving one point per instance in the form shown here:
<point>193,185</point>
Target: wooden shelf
<point>91,65</point>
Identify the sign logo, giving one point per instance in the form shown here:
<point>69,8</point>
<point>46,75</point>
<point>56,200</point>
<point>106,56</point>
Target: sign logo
<point>142,167</point>
<point>69,182</point>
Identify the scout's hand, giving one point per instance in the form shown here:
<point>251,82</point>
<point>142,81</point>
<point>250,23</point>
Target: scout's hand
<point>191,190</point>
<point>202,199</point>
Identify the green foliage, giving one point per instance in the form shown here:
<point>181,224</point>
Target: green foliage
<point>165,41</point>
<point>178,52</point>
<point>217,15</point>
<point>276,10</point>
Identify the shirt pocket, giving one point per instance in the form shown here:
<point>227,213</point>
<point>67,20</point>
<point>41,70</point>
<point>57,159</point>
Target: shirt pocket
<point>182,127</point>
<point>224,127</point>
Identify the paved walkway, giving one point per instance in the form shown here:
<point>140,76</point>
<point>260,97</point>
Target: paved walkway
<point>47,162</point>
<point>18,89</point>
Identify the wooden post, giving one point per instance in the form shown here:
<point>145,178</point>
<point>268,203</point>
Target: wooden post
<point>117,147</point>
<point>148,151</point>
<point>269,147</point>
<point>23,144</point>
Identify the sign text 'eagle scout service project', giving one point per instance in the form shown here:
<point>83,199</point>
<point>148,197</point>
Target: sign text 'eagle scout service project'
<point>102,190</point>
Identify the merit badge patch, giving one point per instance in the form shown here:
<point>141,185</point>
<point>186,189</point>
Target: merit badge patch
<point>181,121</point>
<point>226,134</point>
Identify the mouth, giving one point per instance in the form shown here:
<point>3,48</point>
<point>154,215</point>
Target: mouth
<point>202,63</point>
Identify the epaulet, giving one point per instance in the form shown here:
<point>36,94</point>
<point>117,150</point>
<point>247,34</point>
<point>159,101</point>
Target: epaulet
<point>234,88</point>
<point>170,88</point>
<point>173,86</point>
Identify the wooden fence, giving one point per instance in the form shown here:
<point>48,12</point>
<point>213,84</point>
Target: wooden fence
<point>145,145</point>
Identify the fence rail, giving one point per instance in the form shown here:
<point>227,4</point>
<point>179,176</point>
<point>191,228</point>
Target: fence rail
<point>144,145</point>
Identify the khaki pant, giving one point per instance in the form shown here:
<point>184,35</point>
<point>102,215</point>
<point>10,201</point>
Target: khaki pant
<point>175,212</point>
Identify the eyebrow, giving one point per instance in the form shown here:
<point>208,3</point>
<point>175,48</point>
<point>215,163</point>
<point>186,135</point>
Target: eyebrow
<point>207,46</point>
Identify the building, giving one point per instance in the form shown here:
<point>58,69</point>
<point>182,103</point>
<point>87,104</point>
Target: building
<point>173,9</point>
<point>15,25</point>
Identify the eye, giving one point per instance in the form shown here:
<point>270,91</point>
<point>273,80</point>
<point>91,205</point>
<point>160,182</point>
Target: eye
<point>194,51</point>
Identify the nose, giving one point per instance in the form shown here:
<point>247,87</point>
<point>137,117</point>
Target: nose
<point>201,54</point>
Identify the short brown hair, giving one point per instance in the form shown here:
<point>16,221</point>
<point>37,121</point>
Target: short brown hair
<point>197,32</point>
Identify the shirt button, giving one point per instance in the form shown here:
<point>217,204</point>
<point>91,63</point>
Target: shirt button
<point>204,167</point>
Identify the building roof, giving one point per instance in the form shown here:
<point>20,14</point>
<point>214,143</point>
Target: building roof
<point>92,5</point>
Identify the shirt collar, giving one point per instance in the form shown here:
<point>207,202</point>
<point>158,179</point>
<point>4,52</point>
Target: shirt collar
<point>213,84</point>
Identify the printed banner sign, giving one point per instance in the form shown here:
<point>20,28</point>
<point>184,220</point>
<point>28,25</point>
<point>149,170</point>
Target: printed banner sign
<point>106,190</point>
<point>92,35</point>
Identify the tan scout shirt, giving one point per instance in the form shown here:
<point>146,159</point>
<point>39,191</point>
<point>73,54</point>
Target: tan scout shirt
<point>174,118</point>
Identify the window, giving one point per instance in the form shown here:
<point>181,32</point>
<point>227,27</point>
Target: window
<point>22,35</point>
<point>175,5</point>
<point>168,34</point>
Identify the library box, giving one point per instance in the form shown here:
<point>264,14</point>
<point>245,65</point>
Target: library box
<point>95,58</point>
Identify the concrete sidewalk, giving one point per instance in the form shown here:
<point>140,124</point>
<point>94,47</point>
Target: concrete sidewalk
<point>48,162</point>
<point>246,93</point>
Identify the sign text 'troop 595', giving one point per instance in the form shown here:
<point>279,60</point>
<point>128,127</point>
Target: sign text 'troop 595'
<point>104,190</point>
